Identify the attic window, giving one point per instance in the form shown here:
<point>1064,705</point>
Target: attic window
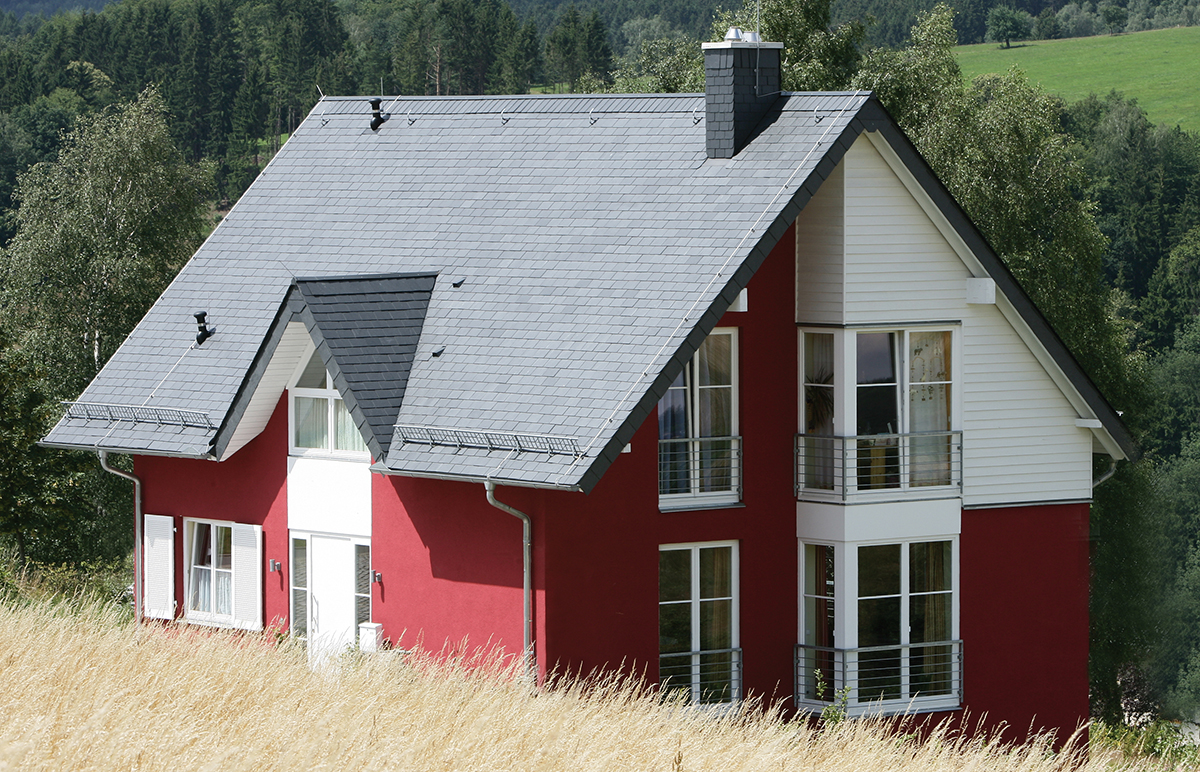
<point>320,422</point>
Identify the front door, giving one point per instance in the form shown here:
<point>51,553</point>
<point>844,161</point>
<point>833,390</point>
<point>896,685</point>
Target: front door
<point>331,591</point>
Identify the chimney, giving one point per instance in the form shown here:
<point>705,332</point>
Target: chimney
<point>741,82</point>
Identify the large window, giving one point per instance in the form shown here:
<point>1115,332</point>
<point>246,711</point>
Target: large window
<point>698,621</point>
<point>223,573</point>
<point>897,400</point>
<point>320,422</point>
<point>699,448</point>
<point>899,642</point>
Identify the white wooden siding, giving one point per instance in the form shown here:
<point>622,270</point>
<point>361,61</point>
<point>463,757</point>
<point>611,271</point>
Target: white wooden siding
<point>270,387</point>
<point>819,248</point>
<point>1020,439</point>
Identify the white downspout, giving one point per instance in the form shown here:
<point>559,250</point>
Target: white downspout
<point>137,531</point>
<point>529,655</point>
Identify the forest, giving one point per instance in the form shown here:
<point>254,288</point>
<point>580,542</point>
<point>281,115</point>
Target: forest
<point>157,114</point>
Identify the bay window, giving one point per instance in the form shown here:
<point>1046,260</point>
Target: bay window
<point>896,641</point>
<point>698,621</point>
<point>699,447</point>
<point>899,408</point>
<point>320,422</point>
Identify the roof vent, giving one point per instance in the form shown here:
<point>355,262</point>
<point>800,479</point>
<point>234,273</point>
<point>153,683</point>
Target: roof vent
<point>206,332</point>
<point>734,33</point>
<point>377,114</point>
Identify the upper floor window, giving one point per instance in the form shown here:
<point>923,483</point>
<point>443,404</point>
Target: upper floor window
<point>320,422</point>
<point>699,456</point>
<point>897,394</point>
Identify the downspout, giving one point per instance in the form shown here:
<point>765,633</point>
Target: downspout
<point>527,587</point>
<point>1112,468</point>
<point>137,531</point>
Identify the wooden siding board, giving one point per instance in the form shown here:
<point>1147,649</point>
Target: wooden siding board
<point>1017,425</point>
<point>820,242</point>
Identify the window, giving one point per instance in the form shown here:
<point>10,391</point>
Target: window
<point>898,643</point>
<point>223,573</point>
<point>900,403</point>
<point>698,622</point>
<point>321,424</point>
<point>299,573</point>
<point>699,456</point>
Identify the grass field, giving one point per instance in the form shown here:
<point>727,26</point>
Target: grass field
<point>1158,68</point>
<point>85,689</point>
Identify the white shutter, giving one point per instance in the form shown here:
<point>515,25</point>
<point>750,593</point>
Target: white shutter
<point>158,567</point>
<point>247,576</point>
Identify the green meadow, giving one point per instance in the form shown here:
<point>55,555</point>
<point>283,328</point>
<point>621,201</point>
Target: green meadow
<point>1159,68</point>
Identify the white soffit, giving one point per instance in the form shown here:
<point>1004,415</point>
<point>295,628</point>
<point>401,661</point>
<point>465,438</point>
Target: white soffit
<point>270,388</point>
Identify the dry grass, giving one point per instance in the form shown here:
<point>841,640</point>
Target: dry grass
<point>85,689</point>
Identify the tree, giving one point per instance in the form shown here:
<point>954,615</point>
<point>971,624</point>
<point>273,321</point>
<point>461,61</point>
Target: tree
<point>1114,18</point>
<point>1007,24</point>
<point>100,233</point>
<point>817,55</point>
<point>1046,26</point>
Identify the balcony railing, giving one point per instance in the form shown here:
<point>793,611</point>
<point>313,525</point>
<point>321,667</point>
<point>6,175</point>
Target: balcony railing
<point>909,676</point>
<point>700,468</point>
<point>707,677</point>
<point>839,467</point>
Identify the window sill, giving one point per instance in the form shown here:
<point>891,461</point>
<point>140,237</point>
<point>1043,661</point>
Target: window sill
<point>691,505</point>
<point>208,621</point>
<point>892,708</point>
<point>329,455</point>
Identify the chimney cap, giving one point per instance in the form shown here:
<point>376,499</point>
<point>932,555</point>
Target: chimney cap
<point>743,43</point>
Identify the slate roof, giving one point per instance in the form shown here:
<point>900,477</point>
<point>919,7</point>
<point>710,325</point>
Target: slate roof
<point>366,330</point>
<point>584,247</point>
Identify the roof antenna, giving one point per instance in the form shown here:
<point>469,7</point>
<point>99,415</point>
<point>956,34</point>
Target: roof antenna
<point>324,120</point>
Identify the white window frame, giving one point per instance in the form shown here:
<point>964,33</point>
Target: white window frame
<point>845,603</point>
<point>845,394</point>
<point>306,536</point>
<point>331,395</point>
<point>735,611</point>
<point>711,499</point>
<point>240,580</point>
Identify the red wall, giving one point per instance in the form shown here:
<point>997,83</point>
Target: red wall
<point>1024,618</point>
<point>452,563</point>
<point>249,487</point>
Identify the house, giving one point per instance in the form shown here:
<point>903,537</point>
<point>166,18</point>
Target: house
<point>724,389</point>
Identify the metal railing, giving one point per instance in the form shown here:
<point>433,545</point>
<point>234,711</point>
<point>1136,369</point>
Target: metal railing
<point>700,467</point>
<point>842,466</point>
<point>879,674</point>
<point>707,677</point>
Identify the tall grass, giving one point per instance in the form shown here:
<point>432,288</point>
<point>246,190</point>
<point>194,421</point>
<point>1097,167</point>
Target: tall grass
<point>83,688</point>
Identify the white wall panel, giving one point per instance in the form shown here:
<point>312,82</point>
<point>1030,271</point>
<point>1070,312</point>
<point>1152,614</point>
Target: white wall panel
<point>819,246</point>
<point>329,496</point>
<point>1020,442</point>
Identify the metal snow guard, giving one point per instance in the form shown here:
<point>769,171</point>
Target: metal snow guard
<point>460,438</point>
<point>138,414</point>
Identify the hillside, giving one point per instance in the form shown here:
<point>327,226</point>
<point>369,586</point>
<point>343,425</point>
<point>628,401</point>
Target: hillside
<point>1155,67</point>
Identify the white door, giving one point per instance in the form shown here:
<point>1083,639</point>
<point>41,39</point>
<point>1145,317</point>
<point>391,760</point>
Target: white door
<point>331,628</point>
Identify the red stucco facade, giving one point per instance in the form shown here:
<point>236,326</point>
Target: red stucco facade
<point>451,563</point>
